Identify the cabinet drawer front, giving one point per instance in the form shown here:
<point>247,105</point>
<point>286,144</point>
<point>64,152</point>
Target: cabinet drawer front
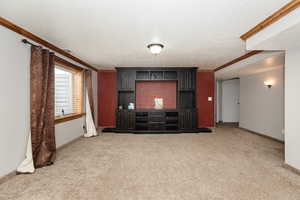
<point>156,114</point>
<point>156,118</point>
<point>156,126</point>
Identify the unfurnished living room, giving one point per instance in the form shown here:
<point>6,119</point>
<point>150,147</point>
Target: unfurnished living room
<point>150,100</point>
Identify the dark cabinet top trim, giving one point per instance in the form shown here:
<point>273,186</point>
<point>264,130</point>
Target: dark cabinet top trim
<point>156,68</point>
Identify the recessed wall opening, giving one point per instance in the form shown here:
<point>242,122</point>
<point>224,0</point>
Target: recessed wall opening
<point>148,91</point>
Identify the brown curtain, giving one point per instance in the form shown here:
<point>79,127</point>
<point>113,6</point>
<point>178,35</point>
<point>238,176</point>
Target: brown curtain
<point>42,106</point>
<point>89,87</point>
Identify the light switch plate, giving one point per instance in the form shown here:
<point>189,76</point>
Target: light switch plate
<point>209,98</point>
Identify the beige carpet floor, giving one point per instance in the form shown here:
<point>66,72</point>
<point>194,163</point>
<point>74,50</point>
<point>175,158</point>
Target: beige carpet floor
<point>228,165</point>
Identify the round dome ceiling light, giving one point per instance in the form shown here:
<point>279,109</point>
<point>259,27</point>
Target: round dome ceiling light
<point>155,48</point>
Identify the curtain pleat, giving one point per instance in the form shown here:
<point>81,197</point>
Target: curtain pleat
<point>27,165</point>
<point>42,106</point>
<point>89,106</point>
<point>89,89</point>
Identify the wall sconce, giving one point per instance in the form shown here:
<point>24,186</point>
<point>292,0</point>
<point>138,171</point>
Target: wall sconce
<point>269,83</point>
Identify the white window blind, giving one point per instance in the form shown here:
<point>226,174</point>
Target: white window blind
<point>63,92</point>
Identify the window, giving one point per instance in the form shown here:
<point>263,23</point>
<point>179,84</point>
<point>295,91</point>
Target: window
<point>68,90</point>
<point>63,92</point>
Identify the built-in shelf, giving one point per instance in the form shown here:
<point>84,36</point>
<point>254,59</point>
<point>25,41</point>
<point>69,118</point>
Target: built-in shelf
<point>156,75</point>
<point>170,75</point>
<point>126,97</point>
<point>142,75</point>
<point>156,119</point>
<point>182,118</point>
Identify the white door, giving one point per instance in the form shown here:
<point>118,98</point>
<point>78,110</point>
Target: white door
<point>230,100</point>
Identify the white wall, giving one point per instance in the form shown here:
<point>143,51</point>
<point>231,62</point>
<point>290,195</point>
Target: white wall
<point>68,131</point>
<point>230,99</point>
<point>14,103</point>
<point>284,35</point>
<point>261,108</point>
<point>292,107</point>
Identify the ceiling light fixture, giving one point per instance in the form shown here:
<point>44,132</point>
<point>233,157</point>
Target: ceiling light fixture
<point>155,48</point>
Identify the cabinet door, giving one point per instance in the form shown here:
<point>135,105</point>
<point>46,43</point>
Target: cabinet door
<point>187,119</point>
<point>186,79</point>
<point>125,119</point>
<point>131,120</point>
<point>126,79</point>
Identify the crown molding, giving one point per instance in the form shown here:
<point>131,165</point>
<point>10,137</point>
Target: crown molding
<point>107,70</point>
<point>41,41</point>
<point>289,7</point>
<point>205,70</point>
<point>236,60</point>
<point>113,70</point>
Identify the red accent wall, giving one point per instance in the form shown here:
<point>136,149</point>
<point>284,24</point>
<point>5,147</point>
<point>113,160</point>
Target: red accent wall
<point>146,91</point>
<point>205,89</point>
<point>107,98</point>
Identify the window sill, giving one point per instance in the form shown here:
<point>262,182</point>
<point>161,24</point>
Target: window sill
<point>68,118</point>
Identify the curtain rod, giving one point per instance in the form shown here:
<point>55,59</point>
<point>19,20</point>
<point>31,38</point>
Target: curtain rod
<point>27,42</point>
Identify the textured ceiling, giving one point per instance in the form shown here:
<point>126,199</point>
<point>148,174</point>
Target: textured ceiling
<point>115,33</point>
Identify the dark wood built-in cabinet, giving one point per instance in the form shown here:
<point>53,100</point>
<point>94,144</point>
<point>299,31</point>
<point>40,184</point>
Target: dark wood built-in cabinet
<point>152,120</point>
<point>183,118</point>
<point>126,80</point>
<point>186,80</point>
<point>126,119</point>
<point>187,119</point>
